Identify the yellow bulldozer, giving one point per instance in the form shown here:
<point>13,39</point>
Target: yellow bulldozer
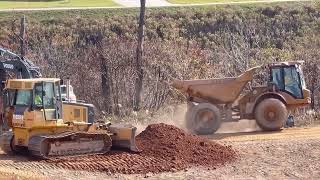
<point>212,101</point>
<point>38,122</point>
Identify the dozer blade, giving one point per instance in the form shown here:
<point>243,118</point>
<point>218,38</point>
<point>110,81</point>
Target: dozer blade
<point>124,137</point>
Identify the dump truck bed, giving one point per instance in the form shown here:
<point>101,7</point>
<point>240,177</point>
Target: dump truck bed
<point>218,90</point>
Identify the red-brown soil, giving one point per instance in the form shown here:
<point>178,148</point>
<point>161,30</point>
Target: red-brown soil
<point>164,148</point>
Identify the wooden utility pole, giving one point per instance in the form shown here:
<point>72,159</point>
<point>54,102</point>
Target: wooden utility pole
<point>22,36</point>
<point>138,62</point>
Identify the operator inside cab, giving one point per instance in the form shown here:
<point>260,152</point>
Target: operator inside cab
<point>38,96</point>
<point>44,95</point>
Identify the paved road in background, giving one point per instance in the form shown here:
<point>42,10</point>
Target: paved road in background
<point>152,3</point>
<point>149,3</point>
<point>161,3</point>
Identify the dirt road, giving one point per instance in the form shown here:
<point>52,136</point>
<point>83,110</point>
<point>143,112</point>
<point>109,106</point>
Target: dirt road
<point>286,134</point>
<point>289,154</point>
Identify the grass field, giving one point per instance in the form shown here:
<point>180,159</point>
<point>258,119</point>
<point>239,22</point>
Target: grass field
<point>205,1</point>
<point>18,4</point>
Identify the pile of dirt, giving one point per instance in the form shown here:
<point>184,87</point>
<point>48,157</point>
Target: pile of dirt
<point>164,148</point>
<point>173,144</point>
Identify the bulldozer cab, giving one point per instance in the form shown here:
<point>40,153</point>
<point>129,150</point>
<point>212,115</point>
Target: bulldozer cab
<point>288,78</point>
<point>39,96</point>
<point>47,97</point>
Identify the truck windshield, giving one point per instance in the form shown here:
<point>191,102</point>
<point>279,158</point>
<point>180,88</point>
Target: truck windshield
<point>23,97</point>
<point>303,83</point>
<point>292,82</point>
<point>288,79</point>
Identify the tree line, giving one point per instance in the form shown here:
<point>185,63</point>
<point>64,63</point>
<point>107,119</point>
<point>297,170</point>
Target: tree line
<point>98,52</point>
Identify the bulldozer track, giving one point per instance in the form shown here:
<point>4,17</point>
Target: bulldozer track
<point>37,143</point>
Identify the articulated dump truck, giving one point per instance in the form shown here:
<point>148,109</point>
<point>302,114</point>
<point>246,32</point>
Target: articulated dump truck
<point>36,121</point>
<point>212,101</point>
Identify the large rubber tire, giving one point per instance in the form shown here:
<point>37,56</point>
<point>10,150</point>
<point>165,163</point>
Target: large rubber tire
<point>271,114</point>
<point>203,119</point>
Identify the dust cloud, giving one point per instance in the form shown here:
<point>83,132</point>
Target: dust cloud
<point>175,115</point>
<point>239,126</point>
<point>172,115</point>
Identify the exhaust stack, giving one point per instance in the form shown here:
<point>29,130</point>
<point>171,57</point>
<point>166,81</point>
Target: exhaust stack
<point>68,89</point>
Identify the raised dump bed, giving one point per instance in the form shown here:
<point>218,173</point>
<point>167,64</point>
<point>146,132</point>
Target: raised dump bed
<point>217,90</point>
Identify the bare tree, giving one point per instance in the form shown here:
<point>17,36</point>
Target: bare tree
<point>106,83</point>
<point>22,36</point>
<point>138,63</point>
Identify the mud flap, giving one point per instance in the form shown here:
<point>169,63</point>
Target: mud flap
<point>124,137</point>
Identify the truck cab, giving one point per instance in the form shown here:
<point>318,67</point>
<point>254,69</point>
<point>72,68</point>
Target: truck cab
<point>288,78</point>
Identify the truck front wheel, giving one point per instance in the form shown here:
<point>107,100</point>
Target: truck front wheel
<point>271,114</point>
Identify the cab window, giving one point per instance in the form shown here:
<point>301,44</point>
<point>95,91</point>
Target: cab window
<point>277,78</point>
<point>44,95</point>
<point>23,97</point>
<point>57,90</point>
<point>288,79</point>
<point>292,82</point>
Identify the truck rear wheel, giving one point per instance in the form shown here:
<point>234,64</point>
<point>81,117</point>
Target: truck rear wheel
<point>271,114</point>
<point>203,119</point>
